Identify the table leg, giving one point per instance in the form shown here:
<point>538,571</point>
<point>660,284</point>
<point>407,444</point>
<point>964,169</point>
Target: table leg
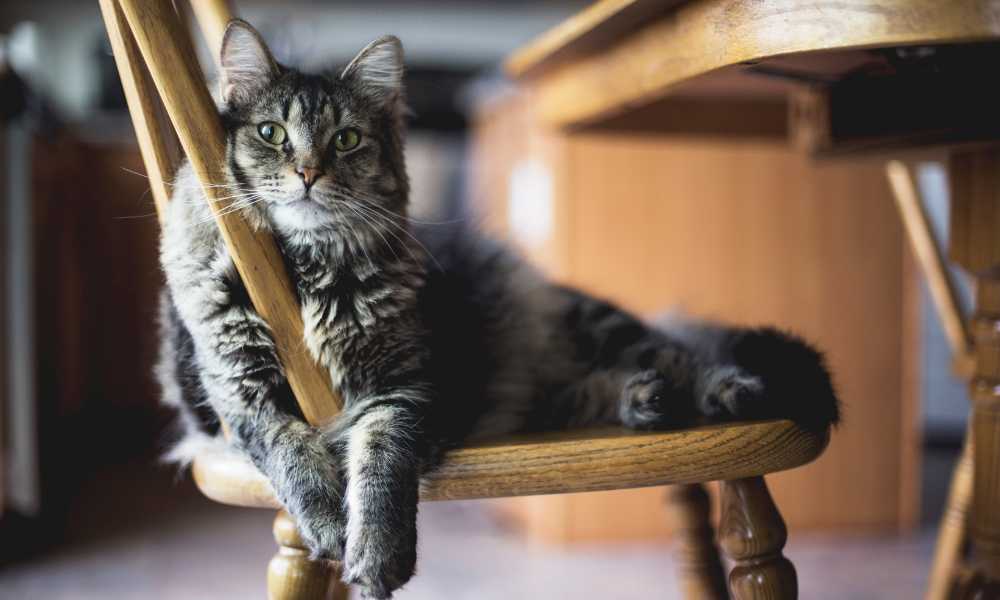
<point>975,244</point>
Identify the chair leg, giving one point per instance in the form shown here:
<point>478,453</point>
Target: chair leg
<point>753,534</point>
<point>700,568</point>
<point>292,575</point>
<point>953,531</point>
<point>974,178</point>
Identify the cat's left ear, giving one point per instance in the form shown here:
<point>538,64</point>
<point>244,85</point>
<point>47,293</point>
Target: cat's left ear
<point>246,64</point>
<point>378,70</point>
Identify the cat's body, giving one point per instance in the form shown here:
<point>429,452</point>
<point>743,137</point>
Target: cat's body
<point>433,335</point>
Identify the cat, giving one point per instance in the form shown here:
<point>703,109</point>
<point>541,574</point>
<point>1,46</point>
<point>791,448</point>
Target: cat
<point>435,335</point>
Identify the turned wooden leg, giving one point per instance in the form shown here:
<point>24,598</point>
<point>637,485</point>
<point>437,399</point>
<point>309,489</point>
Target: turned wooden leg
<point>700,569</point>
<point>975,244</point>
<point>752,534</point>
<point>952,533</point>
<point>291,575</point>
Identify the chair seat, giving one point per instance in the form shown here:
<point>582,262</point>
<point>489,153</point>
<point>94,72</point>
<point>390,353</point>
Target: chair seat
<point>567,461</point>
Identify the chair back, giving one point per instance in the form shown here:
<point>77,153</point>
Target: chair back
<point>171,111</point>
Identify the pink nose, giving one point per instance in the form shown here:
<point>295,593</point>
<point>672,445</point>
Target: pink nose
<point>309,175</point>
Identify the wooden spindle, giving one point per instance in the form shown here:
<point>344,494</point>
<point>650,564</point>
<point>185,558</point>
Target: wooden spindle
<point>212,16</point>
<point>292,575</point>
<point>160,149</point>
<point>975,244</point>
<point>953,530</point>
<point>699,565</point>
<point>752,533</point>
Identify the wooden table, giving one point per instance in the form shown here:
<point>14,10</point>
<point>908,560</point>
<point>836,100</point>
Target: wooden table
<point>882,77</point>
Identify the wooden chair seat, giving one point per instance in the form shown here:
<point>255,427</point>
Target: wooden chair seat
<point>563,462</point>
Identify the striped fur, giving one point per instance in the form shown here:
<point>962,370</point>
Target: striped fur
<point>434,335</point>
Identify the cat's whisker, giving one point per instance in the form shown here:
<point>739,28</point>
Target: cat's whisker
<point>375,228</point>
<point>372,201</point>
<point>408,234</point>
<point>174,183</point>
<point>235,206</point>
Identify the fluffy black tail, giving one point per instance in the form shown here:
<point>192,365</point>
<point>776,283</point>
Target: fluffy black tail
<point>797,383</point>
<point>796,380</point>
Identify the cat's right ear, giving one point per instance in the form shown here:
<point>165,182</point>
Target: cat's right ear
<point>246,64</point>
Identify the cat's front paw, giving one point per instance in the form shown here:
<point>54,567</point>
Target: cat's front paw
<point>380,561</point>
<point>650,400</point>
<point>323,532</point>
<point>731,393</point>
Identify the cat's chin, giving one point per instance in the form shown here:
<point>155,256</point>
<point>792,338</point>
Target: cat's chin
<point>300,216</point>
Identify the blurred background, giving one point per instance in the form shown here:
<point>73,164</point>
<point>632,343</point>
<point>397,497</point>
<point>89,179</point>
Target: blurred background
<point>86,510</point>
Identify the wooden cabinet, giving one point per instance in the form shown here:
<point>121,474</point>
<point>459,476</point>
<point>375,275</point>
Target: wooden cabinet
<point>746,231</point>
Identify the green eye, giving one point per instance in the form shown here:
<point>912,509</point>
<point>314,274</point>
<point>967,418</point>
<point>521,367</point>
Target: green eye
<point>272,133</point>
<point>346,139</point>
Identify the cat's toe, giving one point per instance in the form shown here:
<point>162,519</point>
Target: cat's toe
<point>732,392</point>
<point>643,402</point>
<point>323,534</point>
<point>378,563</point>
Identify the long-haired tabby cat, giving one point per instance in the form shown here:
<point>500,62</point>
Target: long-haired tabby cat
<point>427,353</point>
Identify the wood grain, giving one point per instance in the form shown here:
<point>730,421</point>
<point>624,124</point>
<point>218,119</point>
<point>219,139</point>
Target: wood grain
<point>752,533</point>
<point>168,54</point>
<point>161,152</point>
<point>595,79</point>
<point>577,461</point>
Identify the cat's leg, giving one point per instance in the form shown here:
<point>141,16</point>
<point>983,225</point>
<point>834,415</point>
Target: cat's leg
<point>385,451</point>
<point>246,387</point>
<point>678,389</point>
<point>642,377</point>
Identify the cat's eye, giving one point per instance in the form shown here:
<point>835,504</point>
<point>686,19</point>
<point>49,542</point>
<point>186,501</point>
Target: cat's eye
<point>346,139</point>
<point>272,133</point>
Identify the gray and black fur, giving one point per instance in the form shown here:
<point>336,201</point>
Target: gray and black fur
<point>427,353</point>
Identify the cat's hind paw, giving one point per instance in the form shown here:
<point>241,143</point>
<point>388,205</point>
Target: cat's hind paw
<point>731,393</point>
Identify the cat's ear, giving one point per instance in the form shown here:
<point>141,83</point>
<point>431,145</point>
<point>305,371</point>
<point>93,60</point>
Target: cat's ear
<point>246,63</point>
<point>378,70</point>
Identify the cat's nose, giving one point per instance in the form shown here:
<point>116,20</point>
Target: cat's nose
<point>309,175</point>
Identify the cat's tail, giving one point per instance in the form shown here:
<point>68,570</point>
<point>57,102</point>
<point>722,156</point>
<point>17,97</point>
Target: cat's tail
<point>797,382</point>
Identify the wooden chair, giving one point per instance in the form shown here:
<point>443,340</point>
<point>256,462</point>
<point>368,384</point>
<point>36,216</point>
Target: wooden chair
<point>147,34</point>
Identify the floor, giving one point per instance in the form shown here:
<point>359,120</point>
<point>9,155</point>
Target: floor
<point>141,533</point>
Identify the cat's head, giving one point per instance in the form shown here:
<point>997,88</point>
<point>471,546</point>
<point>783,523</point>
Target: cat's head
<point>315,151</point>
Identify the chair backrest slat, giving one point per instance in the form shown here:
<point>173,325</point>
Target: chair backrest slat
<point>160,149</point>
<point>167,53</point>
<point>212,16</point>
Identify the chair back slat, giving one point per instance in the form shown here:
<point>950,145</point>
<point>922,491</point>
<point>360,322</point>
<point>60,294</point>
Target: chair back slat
<point>169,56</point>
<point>158,144</point>
<point>212,16</point>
